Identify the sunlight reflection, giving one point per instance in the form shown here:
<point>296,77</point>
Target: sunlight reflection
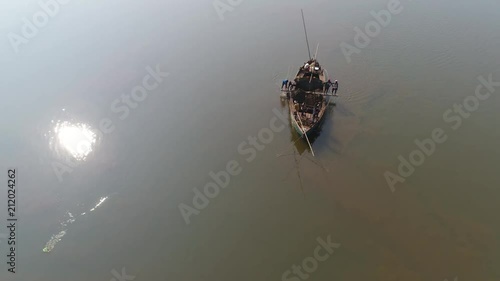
<point>56,238</point>
<point>78,139</point>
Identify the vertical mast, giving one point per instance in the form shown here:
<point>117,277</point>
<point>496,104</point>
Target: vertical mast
<point>305,31</point>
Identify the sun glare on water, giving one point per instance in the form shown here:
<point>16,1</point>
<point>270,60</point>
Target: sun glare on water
<point>77,139</point>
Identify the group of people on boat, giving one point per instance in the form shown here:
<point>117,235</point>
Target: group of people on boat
<point>334,86</point>
<point>290,85</point>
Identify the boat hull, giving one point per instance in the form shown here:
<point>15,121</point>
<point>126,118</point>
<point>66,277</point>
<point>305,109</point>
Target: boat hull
<point>298,125</point>
<point>295,125</point>
<point>308,101</point>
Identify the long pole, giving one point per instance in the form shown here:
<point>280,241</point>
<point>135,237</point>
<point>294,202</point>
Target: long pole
<point>305,31</point>
<point>305,134</point>
<point>316,55</point>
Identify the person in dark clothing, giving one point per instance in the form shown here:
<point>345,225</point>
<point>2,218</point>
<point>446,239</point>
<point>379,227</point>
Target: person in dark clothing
<point>328,84</point>
<point>335,87</point>
<point>284,84</point>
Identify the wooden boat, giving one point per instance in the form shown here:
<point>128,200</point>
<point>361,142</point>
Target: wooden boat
<point>308,100</point>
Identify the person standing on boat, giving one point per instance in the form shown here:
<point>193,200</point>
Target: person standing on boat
<point>328,84</point>
<point>335,87</point>
<point>284,84</point>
